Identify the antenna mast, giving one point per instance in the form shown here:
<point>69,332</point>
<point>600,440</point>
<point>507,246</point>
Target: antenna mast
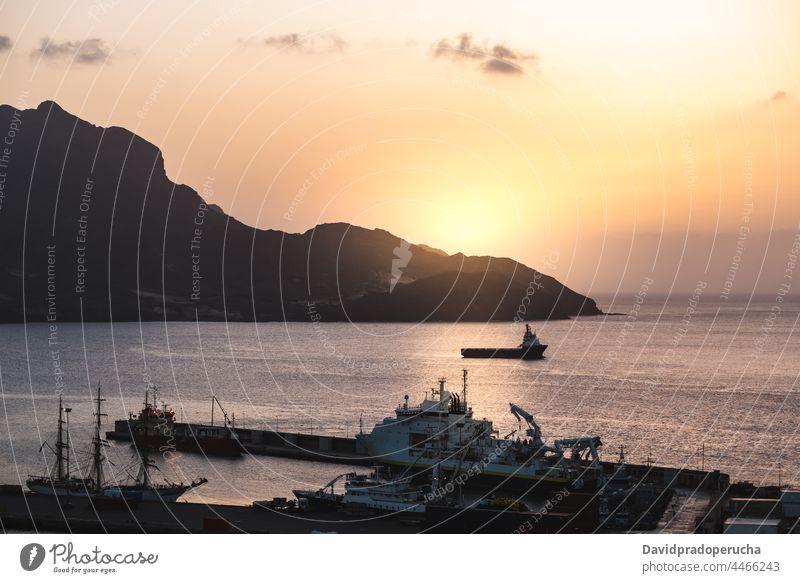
<point>464,394</point>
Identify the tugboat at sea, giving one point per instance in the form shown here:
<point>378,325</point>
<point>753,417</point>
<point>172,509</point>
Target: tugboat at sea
<point>530,349</point>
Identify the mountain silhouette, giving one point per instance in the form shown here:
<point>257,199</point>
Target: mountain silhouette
<point>92,229</point>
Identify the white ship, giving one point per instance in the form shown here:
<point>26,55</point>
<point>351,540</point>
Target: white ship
<point>442,431</point>
<point>379,493</point>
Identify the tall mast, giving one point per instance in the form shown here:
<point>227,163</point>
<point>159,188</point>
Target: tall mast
<point>145,469</point>
<point>98,443</point>
<point>144,476</point>
<point>59,468</point>
<point>465,390</point>
<point>66,455</point>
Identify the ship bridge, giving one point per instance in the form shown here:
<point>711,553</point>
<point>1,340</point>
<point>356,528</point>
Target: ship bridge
<point>441,402</point>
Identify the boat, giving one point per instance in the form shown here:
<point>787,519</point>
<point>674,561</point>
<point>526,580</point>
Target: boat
<point>144,489</point>
<point>154,428</point>
<point>60,482</point>
<point>277,503</point>
<point>326,497</point>
<point>530,349</point>
<point>380,493</point>
<point>443,431</point>
<point>618,496</point>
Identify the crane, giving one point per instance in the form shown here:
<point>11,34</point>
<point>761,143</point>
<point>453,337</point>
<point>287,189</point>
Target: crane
<point>229,422</point>
<point>583,448</point>
<point>534,431</point>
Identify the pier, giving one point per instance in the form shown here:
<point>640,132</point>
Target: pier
<point>302,446</point>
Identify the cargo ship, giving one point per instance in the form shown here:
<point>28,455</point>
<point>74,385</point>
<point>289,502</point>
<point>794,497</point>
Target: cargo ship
<point>530,349</point>
<point>442,431</point>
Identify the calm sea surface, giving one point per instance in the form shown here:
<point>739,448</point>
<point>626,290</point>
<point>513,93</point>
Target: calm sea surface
<point>664,380</point>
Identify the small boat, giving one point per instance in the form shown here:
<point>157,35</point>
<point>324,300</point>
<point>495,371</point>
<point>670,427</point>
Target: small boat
<point>154,428</point>
<point>277,503</point>
<point>530,349</point>
<point>379,493</point>
<point>324,498</point>
<point>621,482</point>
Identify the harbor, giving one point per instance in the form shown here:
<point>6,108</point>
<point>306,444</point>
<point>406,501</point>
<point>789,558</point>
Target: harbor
<point>376,268</point>
<point>683,510</point>
<point>431,467</point>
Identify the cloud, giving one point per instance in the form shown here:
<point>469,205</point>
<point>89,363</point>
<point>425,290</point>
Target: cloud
<point>308,43</point>
<point>464,48</point>
<point>776,99</point>
<point>499,58</point>
<point>89,51</point>
<point>5,43</point>
<point>500,66</point>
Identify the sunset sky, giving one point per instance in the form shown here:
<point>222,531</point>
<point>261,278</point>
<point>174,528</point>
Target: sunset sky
<point>600,142</point>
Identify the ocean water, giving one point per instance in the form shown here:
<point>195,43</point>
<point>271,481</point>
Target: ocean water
<point>686,382</point>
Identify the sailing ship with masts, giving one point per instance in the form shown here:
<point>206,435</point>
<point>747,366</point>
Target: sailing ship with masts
<point>61,482</point>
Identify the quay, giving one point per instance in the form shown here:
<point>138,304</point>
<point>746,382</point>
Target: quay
<point>34,512</point>
<point>347,450</point>
<point>685,511</point>
<point>302,446</point>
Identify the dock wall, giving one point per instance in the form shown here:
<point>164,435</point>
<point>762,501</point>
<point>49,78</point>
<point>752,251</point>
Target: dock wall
<point>324,448</point>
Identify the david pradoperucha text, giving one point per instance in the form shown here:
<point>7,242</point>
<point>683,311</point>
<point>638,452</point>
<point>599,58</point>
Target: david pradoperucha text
<point>707,550</point>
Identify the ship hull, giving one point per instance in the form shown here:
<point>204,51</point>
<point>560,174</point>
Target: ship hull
<point>55,489</point>
<point>146,494</point>
<point>510,480</point>
<point>132,494</point>
<point>532,353</point>
<point>368,504</point>
<point>317,501</point>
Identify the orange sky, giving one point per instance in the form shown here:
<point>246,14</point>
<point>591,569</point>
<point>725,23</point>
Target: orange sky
<point>605,136</point>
